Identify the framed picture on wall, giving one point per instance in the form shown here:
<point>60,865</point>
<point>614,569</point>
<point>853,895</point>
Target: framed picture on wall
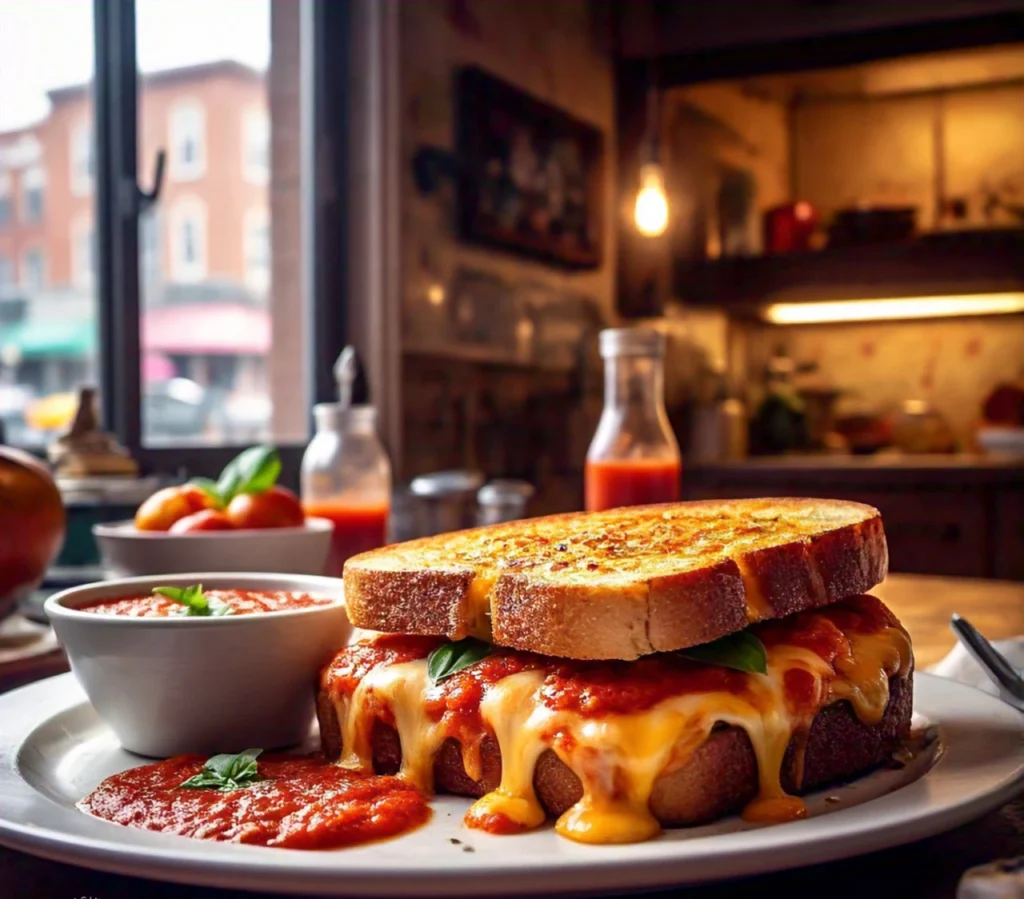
<point>531,175</point>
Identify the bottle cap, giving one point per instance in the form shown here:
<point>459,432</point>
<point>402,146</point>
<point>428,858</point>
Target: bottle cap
<point>443,484</point>
<point>631,342</point>
<point>503,491</point>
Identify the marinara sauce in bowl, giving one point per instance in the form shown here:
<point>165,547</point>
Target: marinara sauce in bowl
<point>230,667</point>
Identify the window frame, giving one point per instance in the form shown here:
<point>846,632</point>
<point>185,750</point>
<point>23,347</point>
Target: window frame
<point>327,38</point>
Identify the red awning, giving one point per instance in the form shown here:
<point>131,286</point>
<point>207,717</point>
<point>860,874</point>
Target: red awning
<point>208,329</point>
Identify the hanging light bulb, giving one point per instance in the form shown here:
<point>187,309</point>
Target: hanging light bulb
<point>651,209</point>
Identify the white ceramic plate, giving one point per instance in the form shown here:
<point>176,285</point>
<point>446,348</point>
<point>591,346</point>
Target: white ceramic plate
<point>53,750</point>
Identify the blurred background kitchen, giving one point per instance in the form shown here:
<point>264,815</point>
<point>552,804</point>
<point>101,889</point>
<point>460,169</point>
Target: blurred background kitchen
<point>820,205</point>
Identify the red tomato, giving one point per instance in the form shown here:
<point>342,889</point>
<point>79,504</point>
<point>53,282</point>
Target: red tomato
<point>207,520</point>
<point>167,506</point>
<point>276,507</point>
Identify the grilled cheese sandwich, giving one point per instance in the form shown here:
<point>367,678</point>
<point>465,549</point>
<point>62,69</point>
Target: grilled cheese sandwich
<point>627,670</point>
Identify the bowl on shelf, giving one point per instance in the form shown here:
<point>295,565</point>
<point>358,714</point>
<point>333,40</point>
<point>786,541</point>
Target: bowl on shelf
<point>129,552</point>
<point>1001,442</point>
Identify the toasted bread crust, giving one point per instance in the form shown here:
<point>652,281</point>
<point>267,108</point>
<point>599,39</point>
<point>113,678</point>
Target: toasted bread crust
<point>718,778</point>
<point>623,583</point>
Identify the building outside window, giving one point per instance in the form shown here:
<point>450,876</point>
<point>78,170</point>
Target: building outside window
<point>256,146</point>
<point>151,250</point>
<point>83,253</point>
<point>33,183</point>
<point>256,249</point>
<point>81,159</point>
<point>6,274</point>
<point>6,201</point>
<point>188,240</point>
<point>204,262</point>
<point>33,270</point>
<point>188,142</point>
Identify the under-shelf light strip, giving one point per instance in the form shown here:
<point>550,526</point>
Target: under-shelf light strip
<point>816,313</point>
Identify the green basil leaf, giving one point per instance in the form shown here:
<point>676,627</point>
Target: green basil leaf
<point>230,478</point>
<point>227,772</point>
<point>195,601</point>
<point>449,658</point>
<point>173,593</point>
<point>209,488</point>
<point>202,781</point>
<point>742,651</point>
<point>251,471</point>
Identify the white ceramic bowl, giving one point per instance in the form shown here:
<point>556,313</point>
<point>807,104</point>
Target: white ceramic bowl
<point>128,552</point>
<point>1004,443</point>
<point>170,685</point>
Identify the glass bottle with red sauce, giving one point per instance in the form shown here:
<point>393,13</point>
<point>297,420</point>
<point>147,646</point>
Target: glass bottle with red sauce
<point>346,478</point>
<point>634,458</point>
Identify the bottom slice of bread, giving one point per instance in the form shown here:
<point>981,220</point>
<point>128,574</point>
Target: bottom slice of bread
<point>719,778</point>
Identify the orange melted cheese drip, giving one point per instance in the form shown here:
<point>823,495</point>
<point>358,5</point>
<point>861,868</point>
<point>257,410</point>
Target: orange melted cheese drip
<point>618,758</point>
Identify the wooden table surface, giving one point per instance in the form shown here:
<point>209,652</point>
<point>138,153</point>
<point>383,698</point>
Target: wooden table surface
<point>928,869</point>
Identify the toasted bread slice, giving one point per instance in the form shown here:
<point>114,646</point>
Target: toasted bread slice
<point>623,583</point>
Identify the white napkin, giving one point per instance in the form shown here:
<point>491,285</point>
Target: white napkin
<point>1003,879</point>
<point>959,665</point>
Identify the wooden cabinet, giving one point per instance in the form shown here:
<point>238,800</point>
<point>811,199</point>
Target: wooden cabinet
<point>937,521</point>
<point>691,28</point>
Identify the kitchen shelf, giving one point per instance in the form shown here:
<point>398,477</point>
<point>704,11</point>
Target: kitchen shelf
<point>957,262</point>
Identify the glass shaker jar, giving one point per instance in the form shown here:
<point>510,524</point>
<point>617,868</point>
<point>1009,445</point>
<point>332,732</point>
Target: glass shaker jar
<point>346,478</point>
<point>633,458</point>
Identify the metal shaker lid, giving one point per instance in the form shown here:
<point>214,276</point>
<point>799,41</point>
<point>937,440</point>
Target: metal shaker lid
<point>447,484</point>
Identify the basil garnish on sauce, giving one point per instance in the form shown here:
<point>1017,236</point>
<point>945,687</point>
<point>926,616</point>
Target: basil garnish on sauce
<point>252,471</point>
<point>450,658</point>
<point>742,651</point>
<point>194,600</point>
<point>226,772</point>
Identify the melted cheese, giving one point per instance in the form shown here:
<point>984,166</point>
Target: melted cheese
<point>516,719</point>
<point>400,689</point>
<point>619,758</point>
<point>478,607</point>
<point>758,607</point>
<point>865,674</point>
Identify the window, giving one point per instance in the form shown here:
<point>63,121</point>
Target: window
<point>83,253</point>
<point>188,240</point>
<point>188,142</point>
<point>6,201</point>
<point>151,248</point>
<point>256,239</point>
<point>81,156</point>
<point>204,316</point>
<point>6,274</point>
<point>32,185</point>
<point>256,146</point>
<point>33,270</point>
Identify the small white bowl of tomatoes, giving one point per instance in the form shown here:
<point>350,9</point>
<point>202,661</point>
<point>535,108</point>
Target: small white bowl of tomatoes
<point>243,521</point>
